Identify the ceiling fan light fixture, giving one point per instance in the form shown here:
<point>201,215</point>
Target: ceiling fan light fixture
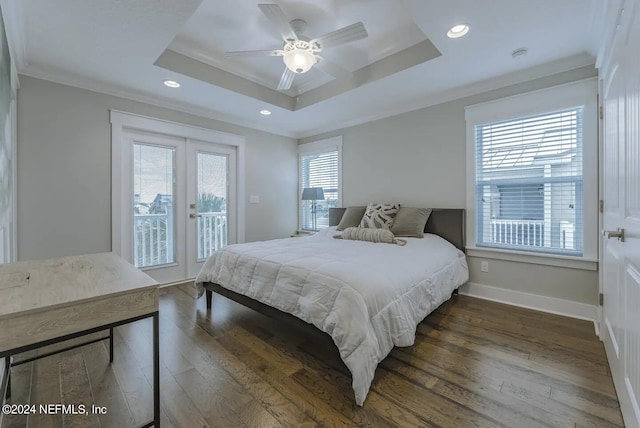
<point>298,56</point>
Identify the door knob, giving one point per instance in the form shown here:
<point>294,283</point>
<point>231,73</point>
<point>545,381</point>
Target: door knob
<point>619,233</point>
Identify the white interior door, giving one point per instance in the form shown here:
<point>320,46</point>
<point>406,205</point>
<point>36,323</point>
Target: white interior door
<point>621,193</point>
<point>212,205</point>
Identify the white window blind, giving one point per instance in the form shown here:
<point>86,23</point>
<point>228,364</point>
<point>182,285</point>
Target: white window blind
<point>319,170</point>
<point>529,183</point>
<point>320,164</point>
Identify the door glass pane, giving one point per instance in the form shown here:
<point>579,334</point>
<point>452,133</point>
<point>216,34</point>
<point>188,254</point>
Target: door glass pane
<point>212,203</point>
<point>153,205</point>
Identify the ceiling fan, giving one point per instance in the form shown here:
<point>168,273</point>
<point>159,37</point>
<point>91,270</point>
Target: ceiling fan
<point>299,52</point>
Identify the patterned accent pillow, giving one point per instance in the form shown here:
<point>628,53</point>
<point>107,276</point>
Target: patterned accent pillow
<point>379,216</point>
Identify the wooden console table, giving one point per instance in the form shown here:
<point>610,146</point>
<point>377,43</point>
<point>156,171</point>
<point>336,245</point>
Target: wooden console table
<point>51,301</point>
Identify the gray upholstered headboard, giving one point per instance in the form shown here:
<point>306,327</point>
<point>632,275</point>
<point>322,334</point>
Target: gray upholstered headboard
<point>445,222</point>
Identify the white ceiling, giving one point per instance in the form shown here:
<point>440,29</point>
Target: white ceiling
<point>111,46</point>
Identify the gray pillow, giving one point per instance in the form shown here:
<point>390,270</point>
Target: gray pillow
<point>410,221</point>
<point>351,218</point>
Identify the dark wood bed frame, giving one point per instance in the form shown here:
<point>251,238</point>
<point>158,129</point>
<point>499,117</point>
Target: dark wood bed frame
<point>448,223</point>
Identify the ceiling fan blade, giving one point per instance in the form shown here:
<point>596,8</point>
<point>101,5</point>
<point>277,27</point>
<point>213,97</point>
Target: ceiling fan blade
<point>286,80</point>
<point>279,19</point>
<point>333,69</point>
<point>272,52</point>
<point>343,35</point>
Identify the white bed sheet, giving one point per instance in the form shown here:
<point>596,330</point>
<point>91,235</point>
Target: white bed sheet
<point>367,296</point>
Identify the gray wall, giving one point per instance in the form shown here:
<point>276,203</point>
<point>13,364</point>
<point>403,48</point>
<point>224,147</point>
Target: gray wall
<point>64,170</point>
<point>419,158</point>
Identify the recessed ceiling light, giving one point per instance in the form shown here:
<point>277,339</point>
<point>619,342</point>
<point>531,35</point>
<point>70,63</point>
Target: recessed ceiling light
<point>265,112</point>
<point>458,31</point>
<point>172,83</point>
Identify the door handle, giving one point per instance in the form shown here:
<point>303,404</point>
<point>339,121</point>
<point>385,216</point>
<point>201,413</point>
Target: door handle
<point>618,233</point>
<point>193,215</point>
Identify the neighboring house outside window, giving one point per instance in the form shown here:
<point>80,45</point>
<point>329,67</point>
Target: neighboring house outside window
<point>531,158</point>
<point>320,165</point>
<point>528,179</point>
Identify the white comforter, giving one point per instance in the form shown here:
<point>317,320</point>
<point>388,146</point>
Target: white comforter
<point>367,296</point>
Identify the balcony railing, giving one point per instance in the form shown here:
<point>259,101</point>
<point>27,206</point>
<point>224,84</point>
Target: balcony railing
<point>212,233</point>
<point>518,232</point>
<point>153,246</point>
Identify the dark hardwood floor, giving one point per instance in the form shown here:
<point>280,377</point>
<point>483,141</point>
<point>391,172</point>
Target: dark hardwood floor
<point>474,363</point>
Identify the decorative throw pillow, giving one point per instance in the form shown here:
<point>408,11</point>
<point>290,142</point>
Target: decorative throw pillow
<point>410,221</point>
<point>371,235</point>
<point>351,218</point>
<point>379,216</point>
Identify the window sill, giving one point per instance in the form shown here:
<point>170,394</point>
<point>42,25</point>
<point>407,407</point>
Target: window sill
<point>533,258</point>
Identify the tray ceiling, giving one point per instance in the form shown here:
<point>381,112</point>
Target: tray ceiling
<point>128,48</point>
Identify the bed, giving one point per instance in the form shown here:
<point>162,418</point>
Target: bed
<point>369,297</point>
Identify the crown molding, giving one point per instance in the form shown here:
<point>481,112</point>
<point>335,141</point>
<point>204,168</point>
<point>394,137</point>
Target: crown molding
<point>133,95</point>
<point>514,78</point>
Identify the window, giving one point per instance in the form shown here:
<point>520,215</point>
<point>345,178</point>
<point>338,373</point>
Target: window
<point>320,165</point>
<point>153,205</point>
<point>532,156</point>
<point>529,183</point>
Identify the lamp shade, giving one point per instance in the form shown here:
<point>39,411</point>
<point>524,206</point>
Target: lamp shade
<point>312,194</point>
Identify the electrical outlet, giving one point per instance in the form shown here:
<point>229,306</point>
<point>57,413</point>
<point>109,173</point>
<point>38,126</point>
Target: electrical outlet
<point>254,199</point>
<point>484,266</point>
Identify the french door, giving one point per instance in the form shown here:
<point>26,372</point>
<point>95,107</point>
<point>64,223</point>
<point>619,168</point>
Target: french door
<point>183,203</point>
<point>177,194</point>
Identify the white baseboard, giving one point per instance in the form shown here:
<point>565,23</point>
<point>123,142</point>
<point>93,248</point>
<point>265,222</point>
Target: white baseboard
<point>531,301</point>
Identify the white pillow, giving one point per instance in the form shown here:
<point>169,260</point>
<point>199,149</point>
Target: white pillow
<point>379,216</point>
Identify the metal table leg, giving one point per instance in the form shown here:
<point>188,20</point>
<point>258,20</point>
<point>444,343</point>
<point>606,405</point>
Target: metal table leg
<point>156,369</point>
<point>6,378</point>
<point>111,345</point>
